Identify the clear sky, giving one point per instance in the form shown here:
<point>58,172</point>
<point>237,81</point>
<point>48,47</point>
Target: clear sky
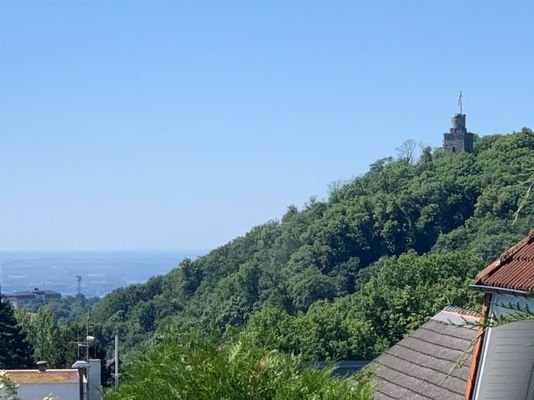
<point>182,124</point>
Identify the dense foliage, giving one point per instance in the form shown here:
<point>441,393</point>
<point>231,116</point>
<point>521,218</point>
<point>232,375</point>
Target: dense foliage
<point>70,308</point>
<point>395,297</point>
<point>53,330</point>
<point>15,350</point>
<point>66,308</point>
<point>55,342</point>
<point>345,277</point>
<point>8,388</point>
<point>207,370</point>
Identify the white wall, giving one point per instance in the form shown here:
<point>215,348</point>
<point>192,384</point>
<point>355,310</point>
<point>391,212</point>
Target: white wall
<point>36,391</point>
<point>94,387</point>
<point>507,363</point>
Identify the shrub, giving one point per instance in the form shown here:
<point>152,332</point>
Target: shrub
<point>203,370</point>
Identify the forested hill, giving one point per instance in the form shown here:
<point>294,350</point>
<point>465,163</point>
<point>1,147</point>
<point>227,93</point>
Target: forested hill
<point>345,277</point>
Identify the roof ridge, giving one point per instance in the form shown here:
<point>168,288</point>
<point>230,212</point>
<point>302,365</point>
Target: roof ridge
<point>504,257</point>
<point>462,311</point>
<point>494,266</point>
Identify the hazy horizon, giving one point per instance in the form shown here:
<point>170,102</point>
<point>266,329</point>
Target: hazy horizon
<point>101,271</point>
<point>108,250</point>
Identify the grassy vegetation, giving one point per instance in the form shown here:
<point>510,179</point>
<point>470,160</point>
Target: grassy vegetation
<point>206,370</point>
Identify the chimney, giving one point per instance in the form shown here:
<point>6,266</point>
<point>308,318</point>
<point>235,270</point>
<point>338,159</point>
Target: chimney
<point>42,366</point>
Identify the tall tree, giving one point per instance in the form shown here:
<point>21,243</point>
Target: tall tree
<point>15,350</point>
<point>42,332</point>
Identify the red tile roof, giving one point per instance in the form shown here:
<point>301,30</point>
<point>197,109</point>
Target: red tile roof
<point>514,269</point>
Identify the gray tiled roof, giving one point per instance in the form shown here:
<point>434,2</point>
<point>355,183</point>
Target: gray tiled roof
<point>427,363</point>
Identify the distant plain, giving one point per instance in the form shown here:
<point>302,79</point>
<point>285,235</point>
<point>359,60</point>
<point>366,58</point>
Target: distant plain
<point>101,271</point>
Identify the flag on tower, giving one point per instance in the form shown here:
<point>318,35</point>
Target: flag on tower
<point>460,101</point>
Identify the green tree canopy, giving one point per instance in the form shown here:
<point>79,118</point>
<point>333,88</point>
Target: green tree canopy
<point>15,350</point>
<point>385,250</point>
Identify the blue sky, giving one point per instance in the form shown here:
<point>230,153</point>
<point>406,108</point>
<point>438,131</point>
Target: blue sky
<point>170,124</point>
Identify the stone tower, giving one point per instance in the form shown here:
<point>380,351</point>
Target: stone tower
<point>458,140</point>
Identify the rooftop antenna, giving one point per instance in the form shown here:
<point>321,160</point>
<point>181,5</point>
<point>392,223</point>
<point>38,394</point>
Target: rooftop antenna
<point>79,284</point>
<point>460,100</point>
<point>84,345</point>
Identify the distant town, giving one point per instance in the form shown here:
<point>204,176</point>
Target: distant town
<point>31,297</point>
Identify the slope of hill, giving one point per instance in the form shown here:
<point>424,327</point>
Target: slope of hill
<point>345,277</point>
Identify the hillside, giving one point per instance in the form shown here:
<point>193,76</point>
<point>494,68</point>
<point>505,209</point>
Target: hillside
<point>345,277</point>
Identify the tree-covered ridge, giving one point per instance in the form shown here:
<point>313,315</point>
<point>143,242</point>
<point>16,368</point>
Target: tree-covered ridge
<point>384,251</point>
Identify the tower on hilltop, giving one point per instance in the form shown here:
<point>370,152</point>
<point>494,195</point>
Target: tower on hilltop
<point>458,140</point>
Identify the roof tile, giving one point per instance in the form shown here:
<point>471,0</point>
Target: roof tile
<point>514,269</point>
<point>427,364</point>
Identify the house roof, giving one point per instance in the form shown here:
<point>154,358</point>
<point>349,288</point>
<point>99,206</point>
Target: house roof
<point>514,269</point>
<point>19,296</point>
<point>30,294</point>
<point>431,362</point>
<point>21,376</point>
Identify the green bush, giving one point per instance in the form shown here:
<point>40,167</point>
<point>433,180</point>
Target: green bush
<point>204,370</point>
